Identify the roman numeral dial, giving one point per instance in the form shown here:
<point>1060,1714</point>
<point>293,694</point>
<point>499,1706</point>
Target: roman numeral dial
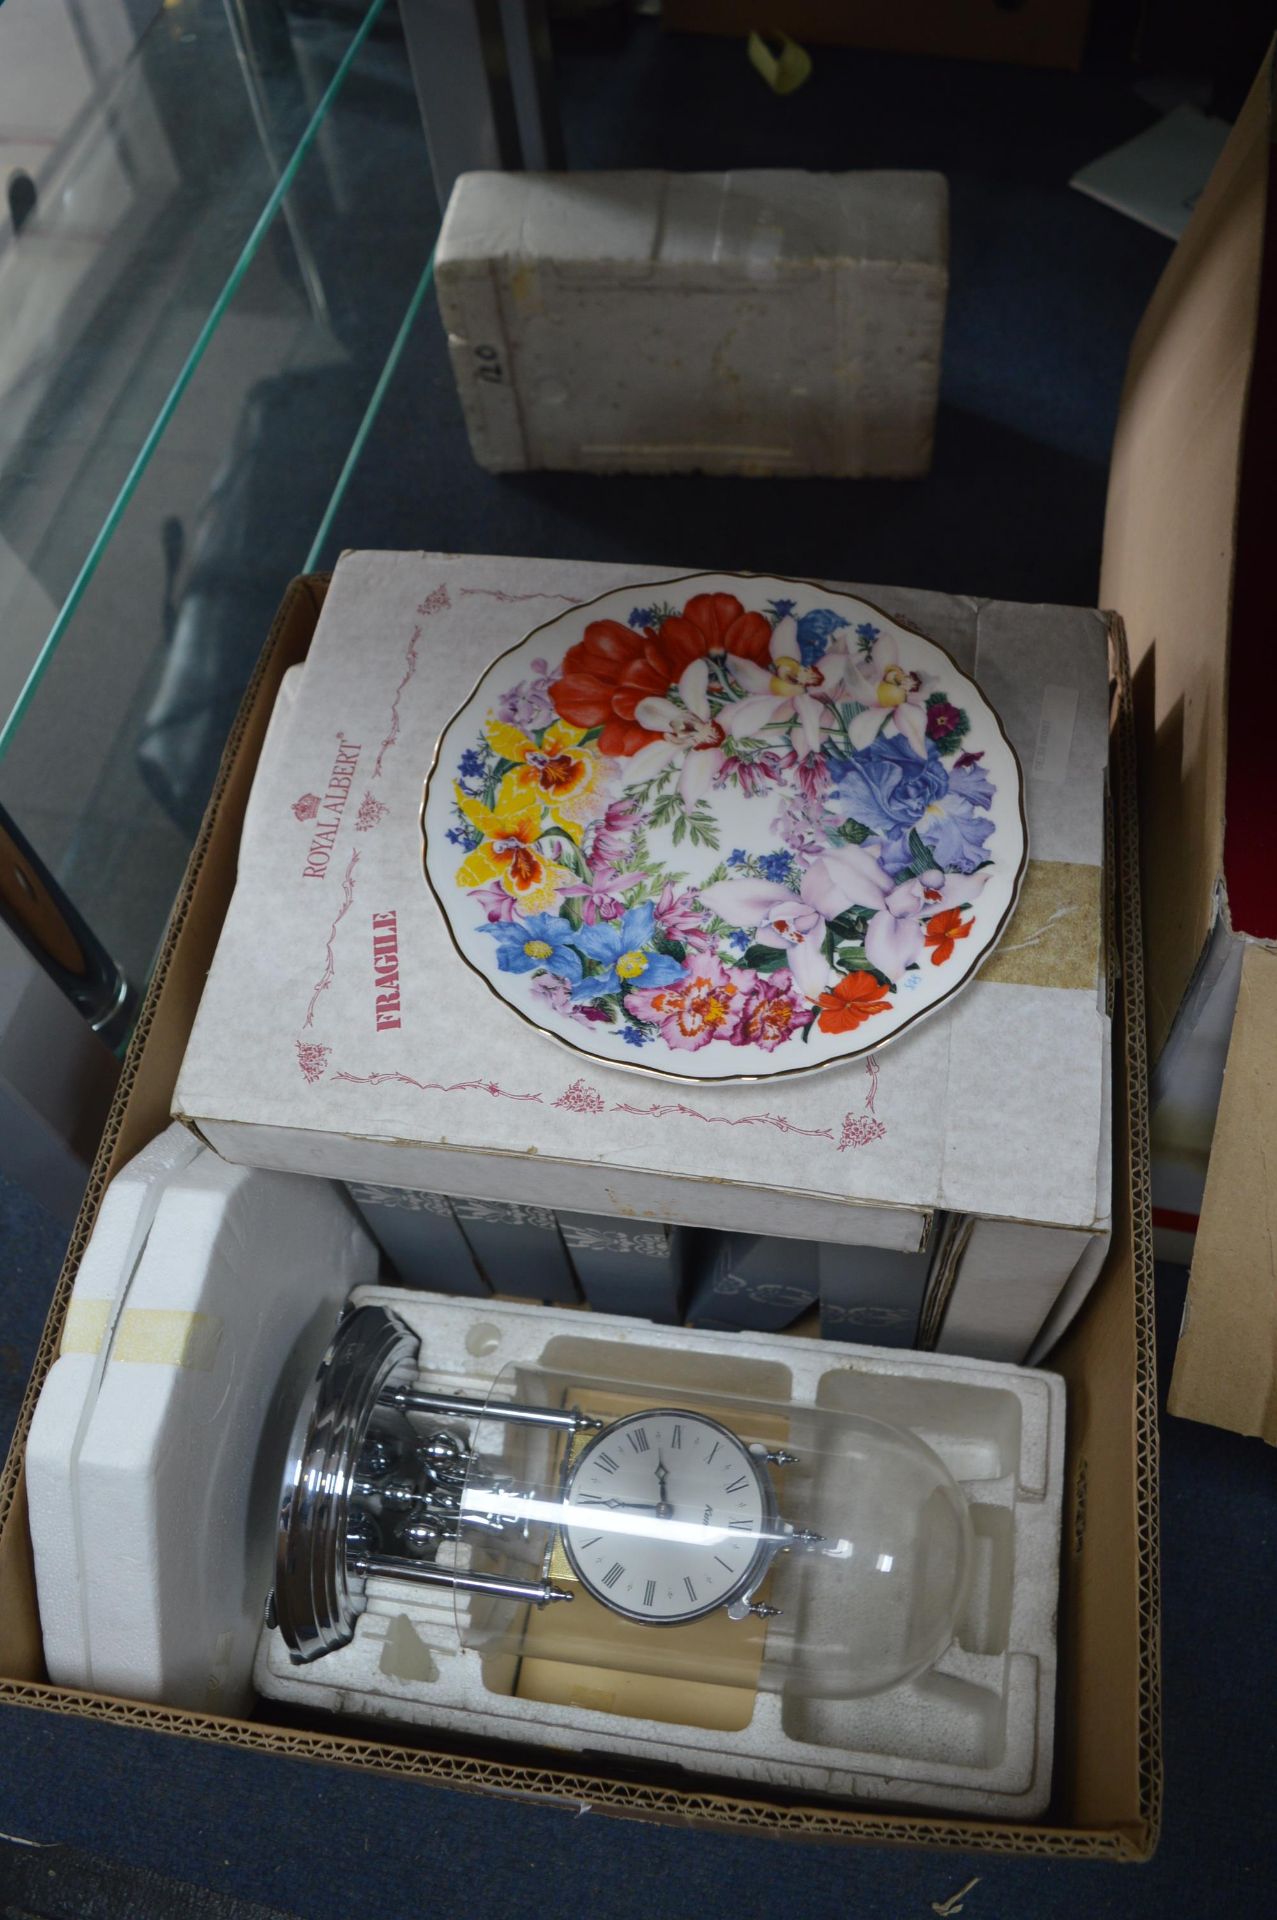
<point>667,1516</point>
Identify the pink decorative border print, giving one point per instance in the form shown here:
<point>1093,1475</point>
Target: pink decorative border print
<point>579,1097</point>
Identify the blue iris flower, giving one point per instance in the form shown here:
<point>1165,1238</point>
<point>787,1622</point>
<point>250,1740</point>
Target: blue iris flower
<point>815,630</point>
<point>539,941</point>
<point>623,949</point>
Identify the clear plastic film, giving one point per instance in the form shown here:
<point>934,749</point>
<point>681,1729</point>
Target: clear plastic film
<point>704,1538</point>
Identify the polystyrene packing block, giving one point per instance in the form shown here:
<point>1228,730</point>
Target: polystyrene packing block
<point>175,1476</point>
<point>749,322</point>
<point>66,1403</point>
<point>972,1733</point>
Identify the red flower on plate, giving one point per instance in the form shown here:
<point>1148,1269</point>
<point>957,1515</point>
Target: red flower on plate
<point>715,623</point>
<point>942,930</point>
<point>856,998</point>
<point>612,668</point>
<point>604,677</point>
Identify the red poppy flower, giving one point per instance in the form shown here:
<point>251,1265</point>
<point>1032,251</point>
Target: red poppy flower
<point>612,668</point>
<point>943,929</point>
<point>856,998</point>
<point>715,623</point>
<point>604,677</point>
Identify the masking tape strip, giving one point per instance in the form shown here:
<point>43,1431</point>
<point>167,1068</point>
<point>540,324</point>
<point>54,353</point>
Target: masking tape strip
<point>85,1326</point>
<point>166,1337</point>
<point>1054,937</point>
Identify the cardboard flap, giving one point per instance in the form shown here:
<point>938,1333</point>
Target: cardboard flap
<point>1169,544</point>
<point>1226,1363</point>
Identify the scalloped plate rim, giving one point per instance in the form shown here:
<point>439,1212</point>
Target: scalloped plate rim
<point>645,1071</point>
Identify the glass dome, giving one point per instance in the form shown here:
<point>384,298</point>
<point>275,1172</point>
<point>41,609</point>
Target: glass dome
<point>796,1549</point>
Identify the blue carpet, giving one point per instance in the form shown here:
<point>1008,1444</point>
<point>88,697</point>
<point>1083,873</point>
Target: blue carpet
<point>1047,289</point>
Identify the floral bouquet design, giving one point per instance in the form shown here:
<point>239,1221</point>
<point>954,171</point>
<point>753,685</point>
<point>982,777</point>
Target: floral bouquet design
<point>747,829</point>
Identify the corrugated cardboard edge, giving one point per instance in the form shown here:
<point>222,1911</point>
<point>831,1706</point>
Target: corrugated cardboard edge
<point>1226,1361</point>
<point>1131,1147</point>
<point>140,1108</point>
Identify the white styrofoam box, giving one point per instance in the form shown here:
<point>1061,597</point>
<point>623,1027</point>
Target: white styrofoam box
<point>751,322</point>
<point>974,1734</point>
<point>66,1402</point>
<point>161,1487</point>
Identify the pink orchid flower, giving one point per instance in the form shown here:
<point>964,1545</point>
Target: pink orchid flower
<point>679,916</point>
<point>497,904</point>
<point>849,877</point>
<point>601,898</point>
<point>896,936</point>
<point>787,691</point>
<point>892,696</point>
<point>689,731</point>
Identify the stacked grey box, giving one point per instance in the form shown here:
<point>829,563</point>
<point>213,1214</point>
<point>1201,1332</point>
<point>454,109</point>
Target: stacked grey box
<point>419,1235</point>
<point>519,1248</point>
<point>748,1282</point>
<point>871,1295</point>
<point>628,1266</point>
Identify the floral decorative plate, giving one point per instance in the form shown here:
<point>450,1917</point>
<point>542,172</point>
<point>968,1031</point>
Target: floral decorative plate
<point>724,828</point>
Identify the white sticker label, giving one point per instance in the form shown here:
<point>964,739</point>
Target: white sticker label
<point>1055,734</point>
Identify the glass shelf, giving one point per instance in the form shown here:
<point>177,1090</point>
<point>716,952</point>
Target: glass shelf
<point>197,326</point>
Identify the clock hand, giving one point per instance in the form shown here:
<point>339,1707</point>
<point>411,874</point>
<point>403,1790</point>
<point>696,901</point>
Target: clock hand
<point>664,1510</point>
<point>629,1506</point>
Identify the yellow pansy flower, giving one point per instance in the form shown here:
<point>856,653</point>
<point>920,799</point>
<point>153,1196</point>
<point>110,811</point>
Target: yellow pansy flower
<point>509,851</point>
<point>559,770</point>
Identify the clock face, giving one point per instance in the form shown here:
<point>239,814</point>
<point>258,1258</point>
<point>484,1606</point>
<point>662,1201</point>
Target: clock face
<point>662,1516</point>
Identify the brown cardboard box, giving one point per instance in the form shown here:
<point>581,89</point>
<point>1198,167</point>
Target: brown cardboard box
<point>1186,559</point>
<point>1108,1769</point>
<point>1035,33</point>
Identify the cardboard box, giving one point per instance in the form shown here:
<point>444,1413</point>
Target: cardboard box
<point>636,1267</point>
<point>872,1296</point>
<point>519,1248</point>
<point>749,322</point>
<point>1186,558</point>
<point>754,1281</point>
<point>1108,1779</point>
<point>420,1236</point>
<point>995,1111</point>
